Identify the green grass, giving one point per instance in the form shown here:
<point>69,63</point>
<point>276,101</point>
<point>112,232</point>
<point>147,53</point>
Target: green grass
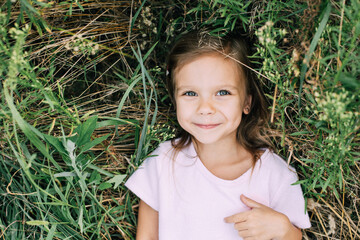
<point>83,104</point>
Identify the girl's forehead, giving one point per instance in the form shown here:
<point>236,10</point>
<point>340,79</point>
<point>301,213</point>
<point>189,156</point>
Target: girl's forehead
<point>214,65</point>
<point>192,58</point>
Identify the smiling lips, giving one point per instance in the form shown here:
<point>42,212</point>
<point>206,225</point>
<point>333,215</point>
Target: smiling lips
<point>207,126</point>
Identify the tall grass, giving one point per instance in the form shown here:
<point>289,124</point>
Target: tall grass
<point>83,104</point>
<point>60,158</point>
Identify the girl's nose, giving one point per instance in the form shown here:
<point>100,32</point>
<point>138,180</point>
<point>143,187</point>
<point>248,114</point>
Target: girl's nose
<point>206,107</point>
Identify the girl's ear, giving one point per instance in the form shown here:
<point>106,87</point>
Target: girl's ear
<point>247,107</point>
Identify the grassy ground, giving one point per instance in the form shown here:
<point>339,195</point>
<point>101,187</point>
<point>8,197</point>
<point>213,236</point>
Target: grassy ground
<point>83,103</point>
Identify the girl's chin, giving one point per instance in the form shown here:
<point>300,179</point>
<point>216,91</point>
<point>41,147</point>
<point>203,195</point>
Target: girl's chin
<point>206,140</point>
<point>214,139</point>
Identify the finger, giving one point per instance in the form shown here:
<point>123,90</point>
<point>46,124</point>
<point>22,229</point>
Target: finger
<point>249,202</point>
<point>240,217</point>
<point>245,235</point>
<point>248,238</point>
<point>241,226</point>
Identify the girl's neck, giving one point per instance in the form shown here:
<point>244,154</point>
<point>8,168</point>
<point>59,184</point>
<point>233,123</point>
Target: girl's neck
<point>225,160</point>
<point>226,152</point>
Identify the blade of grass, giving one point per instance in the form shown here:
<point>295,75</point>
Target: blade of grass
<point>25,127</point>
<point>312,47</point>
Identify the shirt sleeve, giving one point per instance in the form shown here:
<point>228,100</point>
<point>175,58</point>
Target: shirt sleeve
<point>144,182</point>
<point>289,200</point>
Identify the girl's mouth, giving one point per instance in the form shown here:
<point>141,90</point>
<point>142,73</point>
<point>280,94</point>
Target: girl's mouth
<point>207,126</point>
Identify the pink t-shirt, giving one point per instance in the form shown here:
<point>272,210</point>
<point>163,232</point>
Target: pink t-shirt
<point>192,202</point>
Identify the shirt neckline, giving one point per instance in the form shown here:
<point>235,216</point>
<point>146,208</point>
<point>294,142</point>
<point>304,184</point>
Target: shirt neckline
<point>190,152</point>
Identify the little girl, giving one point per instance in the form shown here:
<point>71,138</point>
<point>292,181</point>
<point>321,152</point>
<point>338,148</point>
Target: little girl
<point>218,179</point>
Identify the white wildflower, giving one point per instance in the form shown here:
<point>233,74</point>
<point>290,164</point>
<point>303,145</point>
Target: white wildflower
<point>261,40</point>
<point>311,204</point>
<point>269,23</point>
<point>147,22</point>
<point>332,225</point>
<point>296,72</point>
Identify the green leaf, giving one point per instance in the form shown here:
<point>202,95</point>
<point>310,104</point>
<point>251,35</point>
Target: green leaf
<point>37,223</point>
<point>95,177</point>
<point>85,131</point>
<point>320,124</point>
<point>125,96</point>
<point>117,180</point>
<point>100,170</point>
<point>55,142</point>
<point>299,133</point>
<point>116,121</point>
<point>136,15</point>
<point>27,128</point>
<point>65,174</point>
<point>104,186</point>
<point>80,6</point>
<point>55,204</point>
<point>228,18</point>
<point>93,143</point>
<point>350,82</point>
<point>51,232</point>
<point>80,220</point>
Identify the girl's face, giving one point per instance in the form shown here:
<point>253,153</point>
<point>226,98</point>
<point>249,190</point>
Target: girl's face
<point>210,98</point>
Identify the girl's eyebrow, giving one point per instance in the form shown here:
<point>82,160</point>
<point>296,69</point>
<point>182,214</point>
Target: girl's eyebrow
<point>183,88</point>
<point>217,87</point>
<point>228,87</point>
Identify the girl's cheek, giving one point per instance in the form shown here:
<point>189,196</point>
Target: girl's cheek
<point>181,102</point>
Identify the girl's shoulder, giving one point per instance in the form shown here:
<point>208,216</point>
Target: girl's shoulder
<point>272,162</point>
<point>156,160</point>
<point>166,154</point>
<point>163,148</point>
<point>161,153</point>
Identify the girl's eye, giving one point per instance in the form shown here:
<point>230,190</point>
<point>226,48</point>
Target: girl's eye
<point>190,94</point>
<point>223,93</point>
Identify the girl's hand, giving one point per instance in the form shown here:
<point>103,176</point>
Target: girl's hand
<point>262,223</point>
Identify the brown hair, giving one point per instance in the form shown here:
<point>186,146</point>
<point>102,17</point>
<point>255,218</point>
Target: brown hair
<point>250,133</point>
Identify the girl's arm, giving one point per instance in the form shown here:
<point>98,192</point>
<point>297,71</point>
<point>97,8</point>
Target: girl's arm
<point>262,222</point>
<point>293,232</point>
<point>148,223</point>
